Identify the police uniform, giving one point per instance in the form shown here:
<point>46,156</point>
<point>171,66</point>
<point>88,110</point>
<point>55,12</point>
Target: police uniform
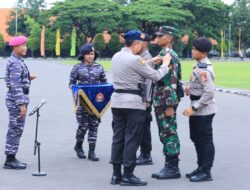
<point>128,108</point>
<point>17,80</point>
<point>165,95</point>
<point>83,74</point>
<point>146,143</point>
<point>204,108</point>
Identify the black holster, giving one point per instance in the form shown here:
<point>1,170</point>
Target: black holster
<point>143,91</point>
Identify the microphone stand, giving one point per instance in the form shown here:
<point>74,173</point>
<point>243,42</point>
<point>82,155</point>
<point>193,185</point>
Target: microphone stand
<point>37,144</point>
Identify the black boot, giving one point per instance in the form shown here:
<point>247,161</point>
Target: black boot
<point>203,175</point>
<point>117,174</point>
<point>170,170</point>
<point>193,173</point>
<point>129,179</point>
<point>79,151</point>
<point>144,159</point>
<point>12,163</point>
<point>92,156</point>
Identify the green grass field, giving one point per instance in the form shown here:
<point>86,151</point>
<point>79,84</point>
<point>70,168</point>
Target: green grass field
<point>228,74</point>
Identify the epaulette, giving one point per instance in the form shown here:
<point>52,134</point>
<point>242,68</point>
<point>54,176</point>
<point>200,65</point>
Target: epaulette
<point>202,65</point>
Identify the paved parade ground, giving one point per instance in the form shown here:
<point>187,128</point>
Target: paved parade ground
<point>57,127</point>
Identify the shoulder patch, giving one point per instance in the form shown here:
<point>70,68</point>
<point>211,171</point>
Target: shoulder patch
<point>203,77</point>
<point>142,61</point>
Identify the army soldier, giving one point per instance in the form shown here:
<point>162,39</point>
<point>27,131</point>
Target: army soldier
<point>146,145</point>
<point>18,81</point>
<point>87,72</point>
<point>165,102</point>
<point>128,103</point>
<point>202,110</point>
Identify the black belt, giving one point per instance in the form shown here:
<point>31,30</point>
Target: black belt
<point>193,97</point>
<point>137,92</point>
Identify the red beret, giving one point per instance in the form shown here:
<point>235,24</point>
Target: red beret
<point>18,40</point>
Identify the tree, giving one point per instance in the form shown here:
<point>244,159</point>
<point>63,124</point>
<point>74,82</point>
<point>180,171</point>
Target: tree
<point>99,42</point>
<point>65,45</point>
<point>35,34</point>
<point>210,17</point>
<point>241,22</point>
<point>114,45</point>
<point>89,16</point>
<point>2,43</point>
<point>50,40</point>
<point>151,15</point>
<point>31,8</point>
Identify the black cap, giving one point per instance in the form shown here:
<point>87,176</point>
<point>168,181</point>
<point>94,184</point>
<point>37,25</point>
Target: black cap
<point>147,37</point>
<point>202,44</point>
<point>87,48</point>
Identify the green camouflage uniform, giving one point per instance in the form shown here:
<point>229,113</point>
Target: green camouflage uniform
<point>165,96</point>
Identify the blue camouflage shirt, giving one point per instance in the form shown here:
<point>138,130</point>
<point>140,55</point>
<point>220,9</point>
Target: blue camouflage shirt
<point>17,80</point>
<point>83,73</point>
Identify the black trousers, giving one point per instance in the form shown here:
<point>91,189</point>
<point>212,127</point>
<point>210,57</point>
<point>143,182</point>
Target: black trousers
<point>201,133</point>
<point>127,127</point>
<point>146,143</point>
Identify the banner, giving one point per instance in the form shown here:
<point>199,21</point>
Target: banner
<point>95,98</point>
<point>73,43</point>
<point>42,44</point>
<point>58,39</point>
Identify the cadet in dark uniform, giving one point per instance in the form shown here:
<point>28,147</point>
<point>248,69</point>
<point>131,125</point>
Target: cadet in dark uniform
<point>18,81</point>
<point>202,110</point>
<point>128,103</point>
<point>87,72</point>
<point>146,145</point>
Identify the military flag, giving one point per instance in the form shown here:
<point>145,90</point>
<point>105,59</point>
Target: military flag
<point>95,98</point>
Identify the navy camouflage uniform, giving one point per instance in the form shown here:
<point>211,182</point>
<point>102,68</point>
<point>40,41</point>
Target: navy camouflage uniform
<point>18,83</point>
<point>87,74</point>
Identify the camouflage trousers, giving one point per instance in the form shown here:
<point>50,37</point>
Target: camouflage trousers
<point>168,132</point>
<point>86,122</point>
<point>15,128</point>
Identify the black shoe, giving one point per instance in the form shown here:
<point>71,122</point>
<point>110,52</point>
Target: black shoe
<point>14,164</point>
<point>154,175</point>
<point>193,173</point>
<point>80,153</point>
<point>92,156</point>
<point>201,176</point>
<point>144,159</point>
<point>170,171</point>
<point>116,179</point>
<point>132,181</point>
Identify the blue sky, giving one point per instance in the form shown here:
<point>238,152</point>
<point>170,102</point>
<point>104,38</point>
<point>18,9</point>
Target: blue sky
<point>11,3</point>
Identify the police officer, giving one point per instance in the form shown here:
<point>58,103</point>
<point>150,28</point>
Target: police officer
<point>87,72</point>
<point>202,110</point>
<point>165,102</point>
<point>18,81</point>
<point>146,146</point>
<point>128,103</point>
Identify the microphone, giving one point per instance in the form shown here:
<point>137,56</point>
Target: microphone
<point>37,107</point>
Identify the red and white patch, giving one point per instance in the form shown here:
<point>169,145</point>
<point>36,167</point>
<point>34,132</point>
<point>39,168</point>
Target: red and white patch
<point>203,77</point>
<point>99,97</point>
